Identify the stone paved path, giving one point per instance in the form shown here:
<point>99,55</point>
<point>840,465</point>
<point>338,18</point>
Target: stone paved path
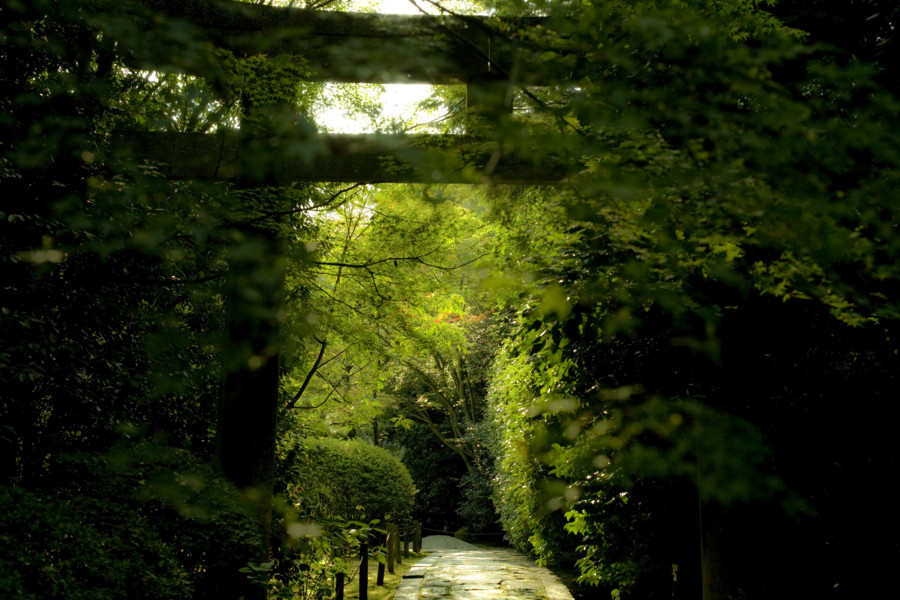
<point>496,574</point>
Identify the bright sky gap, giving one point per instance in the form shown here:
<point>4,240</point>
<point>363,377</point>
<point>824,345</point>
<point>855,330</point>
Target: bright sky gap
<point>399,101</point>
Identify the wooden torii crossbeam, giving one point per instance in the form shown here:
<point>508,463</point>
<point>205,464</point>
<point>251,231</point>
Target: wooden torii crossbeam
<point>486,54</point>
<point>345,158</point>
<point>361,47</point>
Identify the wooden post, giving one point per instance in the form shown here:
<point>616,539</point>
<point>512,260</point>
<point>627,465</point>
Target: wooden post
<point>364,571</point>
<point>407,531</point>
<point>390,545</point>
<point>247,426</point>
<point>339,586</point>
<point>379,581</point>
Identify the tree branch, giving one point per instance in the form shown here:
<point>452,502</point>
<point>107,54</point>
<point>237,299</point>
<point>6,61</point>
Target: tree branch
<point>388,259</point>
<point>311,407</point>
<point>309,376</point>
<point>334,388</point>
<point>422,416</point>
<point>338,354</point>
<point>284,213</point>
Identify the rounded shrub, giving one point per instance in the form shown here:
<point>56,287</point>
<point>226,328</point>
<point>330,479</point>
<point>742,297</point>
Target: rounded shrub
<point>328,478</point>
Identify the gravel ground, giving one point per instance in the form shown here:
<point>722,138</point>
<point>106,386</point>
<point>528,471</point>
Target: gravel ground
<point>444,542</point>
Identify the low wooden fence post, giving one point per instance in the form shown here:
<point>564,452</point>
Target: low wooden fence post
<point>364,571</point>
<point>339,586</point>
<point>390,545</point>
<point>379,580</point>
<point>407,535</point>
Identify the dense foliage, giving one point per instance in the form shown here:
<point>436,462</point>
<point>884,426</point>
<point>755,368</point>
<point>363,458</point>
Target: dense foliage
<point>728,247</point>
<point>690,341</point>
<point>140,521</point>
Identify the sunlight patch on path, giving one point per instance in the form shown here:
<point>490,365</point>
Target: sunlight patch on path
<point>478,574</point>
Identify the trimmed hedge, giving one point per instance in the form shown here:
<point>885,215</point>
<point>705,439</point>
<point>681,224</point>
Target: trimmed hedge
<point>350,479</point>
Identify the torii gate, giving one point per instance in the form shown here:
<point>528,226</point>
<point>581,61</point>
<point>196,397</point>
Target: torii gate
<point>343,47</point>
<point>489,55</point>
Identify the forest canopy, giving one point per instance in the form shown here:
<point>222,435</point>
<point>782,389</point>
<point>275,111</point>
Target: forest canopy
<point>629,301</point>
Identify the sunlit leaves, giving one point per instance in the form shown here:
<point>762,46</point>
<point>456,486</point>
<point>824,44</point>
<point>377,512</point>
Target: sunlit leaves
<point>723,164</point>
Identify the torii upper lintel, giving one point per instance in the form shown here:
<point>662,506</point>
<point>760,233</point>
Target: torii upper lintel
<point>368,48</point>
